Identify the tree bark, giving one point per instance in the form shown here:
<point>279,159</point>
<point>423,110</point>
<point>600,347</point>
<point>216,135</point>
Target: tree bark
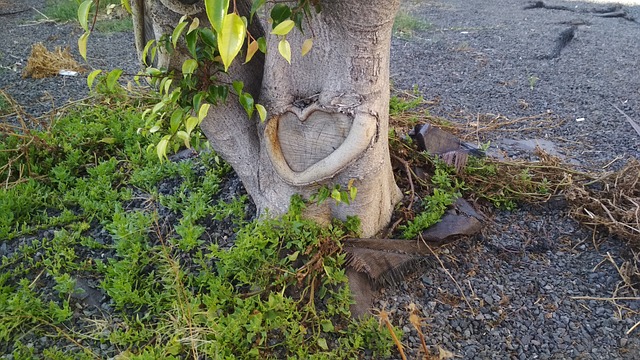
<point>327,112</point>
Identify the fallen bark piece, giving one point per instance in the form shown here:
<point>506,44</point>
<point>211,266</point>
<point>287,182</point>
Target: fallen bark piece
<point>375,262</point>
<point>450,148</point>
<point>461,220</point>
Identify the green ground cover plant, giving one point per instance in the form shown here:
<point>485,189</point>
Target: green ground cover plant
<point>85,202</point>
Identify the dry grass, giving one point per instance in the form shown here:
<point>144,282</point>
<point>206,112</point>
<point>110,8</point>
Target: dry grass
<point>43,63</point>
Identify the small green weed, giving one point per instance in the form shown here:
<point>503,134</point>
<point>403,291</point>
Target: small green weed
<point>67,10</point>
<point>405,102</point>
<point>406,24</point>
<point>447,188</point>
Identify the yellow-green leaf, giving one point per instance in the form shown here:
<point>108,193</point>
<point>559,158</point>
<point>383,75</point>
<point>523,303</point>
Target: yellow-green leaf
<point>262,112</point>
<point>82,45</point>
<point>285,50</point>
<point>216,11</point>
<point>231,38</point>
<point>322,343</point>
<point>252,47</point>
<point>194,25</point>
<point>283,28</point>
<point>108,140</point>
<point>161,148</point>
<point>176,32</point>
<point>92,76</point>
<point>184,137</point>
<point>306,46</point>
<point>190,124</point>
<point>83,14</point>
<point>204,110</point>
<point>145,51</point>
<point>189,66</point>
<point>126,5</point>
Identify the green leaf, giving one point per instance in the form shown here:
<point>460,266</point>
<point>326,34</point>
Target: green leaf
<point>246,100</point>
<point>176,119</point>
<point>335,195</point>
<point>322,342</point>
<point>306,46</point>
<point>197,100</point>
<point>262,112</point>
<point>262,44</point>
<point>280,13</point>
<point>237,86</point>
<point>82,45</point>
<point>145,52</point>
<point>177,31</point>
<point>257,4</point>
<point>192,42</point>
<point>327,325</point>
<point>216,12</point>
<point>285,50</point>
<point>353,191</point>
<point>189,66</point>
<point>161,148</point>
<point>202,113</point>
<point>112,79</point>
<point>184,137</point>
<point>83,14</point>
<point>208,37</point>
<point>92,76</point>
<point>283,28</point>
<point>191,124</point>
<point>126,5</point>
<point>231,38</point>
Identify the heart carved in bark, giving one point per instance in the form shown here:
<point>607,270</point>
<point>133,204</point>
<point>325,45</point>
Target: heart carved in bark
<point>304,142</point>
<point>314,144</point>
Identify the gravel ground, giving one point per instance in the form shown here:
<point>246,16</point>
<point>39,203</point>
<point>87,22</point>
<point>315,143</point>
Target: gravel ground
<point>513,289</point>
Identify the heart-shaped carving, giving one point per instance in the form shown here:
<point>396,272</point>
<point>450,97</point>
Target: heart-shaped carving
<point>305,142</point>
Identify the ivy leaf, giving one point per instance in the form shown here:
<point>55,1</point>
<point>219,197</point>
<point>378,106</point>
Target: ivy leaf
<point>194,25</point>
<point>216,12</point>
<point>246,100</point>
<point>83,14</point>
<point>283,28</point>
<point>177,31</point>
<point>262,112</point>
<point>112,78</point>
<point>262,44</point>
<point>306,46</point>
<point>184,137</point>
<point>257,4</point>
<point>202,113</point>
<point>252,48</point>
<point>280,13</point>
<point>191,124</point>
<point>231,38</point>
<point>145,52</point>
<point>285,50</point>
<point>92,76</point>
<point>126,5</point>
<point>82,45</point>
<point>237,86</point>
<point>192,39</point>
<point>161,148</point>
<point>208,37</point>
<point>189,66</point>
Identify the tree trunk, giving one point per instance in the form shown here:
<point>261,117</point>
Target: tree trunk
<point>327,112</point>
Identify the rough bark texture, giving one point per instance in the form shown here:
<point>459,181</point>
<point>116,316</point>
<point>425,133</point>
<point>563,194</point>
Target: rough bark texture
<point>328,110</point>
